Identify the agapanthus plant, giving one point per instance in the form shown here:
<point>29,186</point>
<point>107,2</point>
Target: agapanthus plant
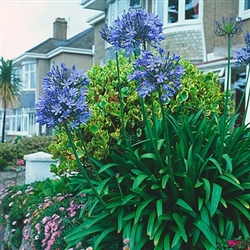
<point>135,28</point>
<point>158,73</point>
<point>242,58</point>
<point>63,104</point>
<point>229,26</point>
<point>64,98</point>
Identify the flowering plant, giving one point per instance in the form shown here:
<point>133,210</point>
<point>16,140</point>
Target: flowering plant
<point>184,183</point>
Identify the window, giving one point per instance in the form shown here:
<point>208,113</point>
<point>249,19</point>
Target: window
<point>177,11</point>
<point>29,76</point>
<point>116,9</point>
<point>135,3</point>
<point>244,9</point>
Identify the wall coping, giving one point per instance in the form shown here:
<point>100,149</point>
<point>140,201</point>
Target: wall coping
<point>39,156</point>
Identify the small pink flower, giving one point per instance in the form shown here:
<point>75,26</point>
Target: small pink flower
<point>233,243</point>
<point>14,223</point>
<point>126,241</point>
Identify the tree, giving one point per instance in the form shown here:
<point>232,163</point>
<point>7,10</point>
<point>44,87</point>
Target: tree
<point>10,88</point>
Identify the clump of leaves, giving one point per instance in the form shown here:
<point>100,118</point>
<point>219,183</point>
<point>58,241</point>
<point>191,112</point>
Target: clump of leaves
<point>207,201</point>
<point>102,132</point>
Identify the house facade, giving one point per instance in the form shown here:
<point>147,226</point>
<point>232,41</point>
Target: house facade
<point>34,64</point>
<point>189,27</point>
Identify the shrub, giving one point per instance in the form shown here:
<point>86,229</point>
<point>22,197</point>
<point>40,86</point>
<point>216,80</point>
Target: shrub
<point>103,130</point>
<point>3,164</point>
<point>12,151</point>
<point>9,152</point>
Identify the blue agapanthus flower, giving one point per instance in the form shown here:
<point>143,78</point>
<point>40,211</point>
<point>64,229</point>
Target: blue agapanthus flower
<point>64,98</point>
<point>133,29</point>
<point>242,56</point>
<point>229,26</point>
<point>158,72</point>
<point>247,39</point>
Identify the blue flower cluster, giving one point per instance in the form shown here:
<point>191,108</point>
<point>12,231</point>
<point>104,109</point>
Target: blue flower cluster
<point>158,72</point>
<point>242,56</point>
<point>135,28</point>
<point>64,98</point>
<point>229,26</point>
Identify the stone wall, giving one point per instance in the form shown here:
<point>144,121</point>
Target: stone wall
<point>187,43</point>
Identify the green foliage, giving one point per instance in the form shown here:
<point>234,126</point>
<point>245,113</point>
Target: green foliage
<point>9,152</point>
<point>208,200</point>
<point>28,145</point>
<point>3,164</point>
<point>200,91</point>
<point>102,132</point>
<point>20,202</point>
<point>14,150</point>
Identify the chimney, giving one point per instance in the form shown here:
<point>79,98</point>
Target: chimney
<point>60,28</point>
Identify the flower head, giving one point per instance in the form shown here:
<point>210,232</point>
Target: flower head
<point>229,26</point>
<point>242,56</point>
<point>64,98</point>
<point>158,72</point>
<point>247,39</point>
<point>135,28</point>
<point>233,243</point>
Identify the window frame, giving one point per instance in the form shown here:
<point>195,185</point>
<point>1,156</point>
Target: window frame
<point>181,13</point>
<point>244,14</point>
<point>27,84</point>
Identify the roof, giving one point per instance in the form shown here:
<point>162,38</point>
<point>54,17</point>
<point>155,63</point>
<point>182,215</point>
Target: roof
<point>83,40</point>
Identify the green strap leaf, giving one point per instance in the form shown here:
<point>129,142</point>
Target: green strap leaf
<point>209,235</point>
<point>216,194</point>
<point>180,225</point>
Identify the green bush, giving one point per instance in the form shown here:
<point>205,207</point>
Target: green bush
<point>103,130</point>
<point>9,152</point>
<point>28,145</point>
<point>14,150</point>
<point>3,164</point>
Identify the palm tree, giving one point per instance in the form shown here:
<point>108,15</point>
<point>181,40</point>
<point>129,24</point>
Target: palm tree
<point>10,88</point>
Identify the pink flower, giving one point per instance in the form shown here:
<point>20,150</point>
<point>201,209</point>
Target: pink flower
<point>233,243</point>
<point>126,241</point>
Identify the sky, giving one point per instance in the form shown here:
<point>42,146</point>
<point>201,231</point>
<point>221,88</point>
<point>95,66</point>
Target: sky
<point>26,23</point>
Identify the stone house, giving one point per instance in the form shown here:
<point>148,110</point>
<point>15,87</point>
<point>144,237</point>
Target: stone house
<point>34,64</point>
<point>189,31</point>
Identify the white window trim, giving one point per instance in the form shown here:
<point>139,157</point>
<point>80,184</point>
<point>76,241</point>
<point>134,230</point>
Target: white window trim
<point>23,76</point>
<point>181,12</point>
<point>244,14</point>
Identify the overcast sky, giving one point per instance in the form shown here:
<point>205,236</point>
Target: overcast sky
<point>26,23</point>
